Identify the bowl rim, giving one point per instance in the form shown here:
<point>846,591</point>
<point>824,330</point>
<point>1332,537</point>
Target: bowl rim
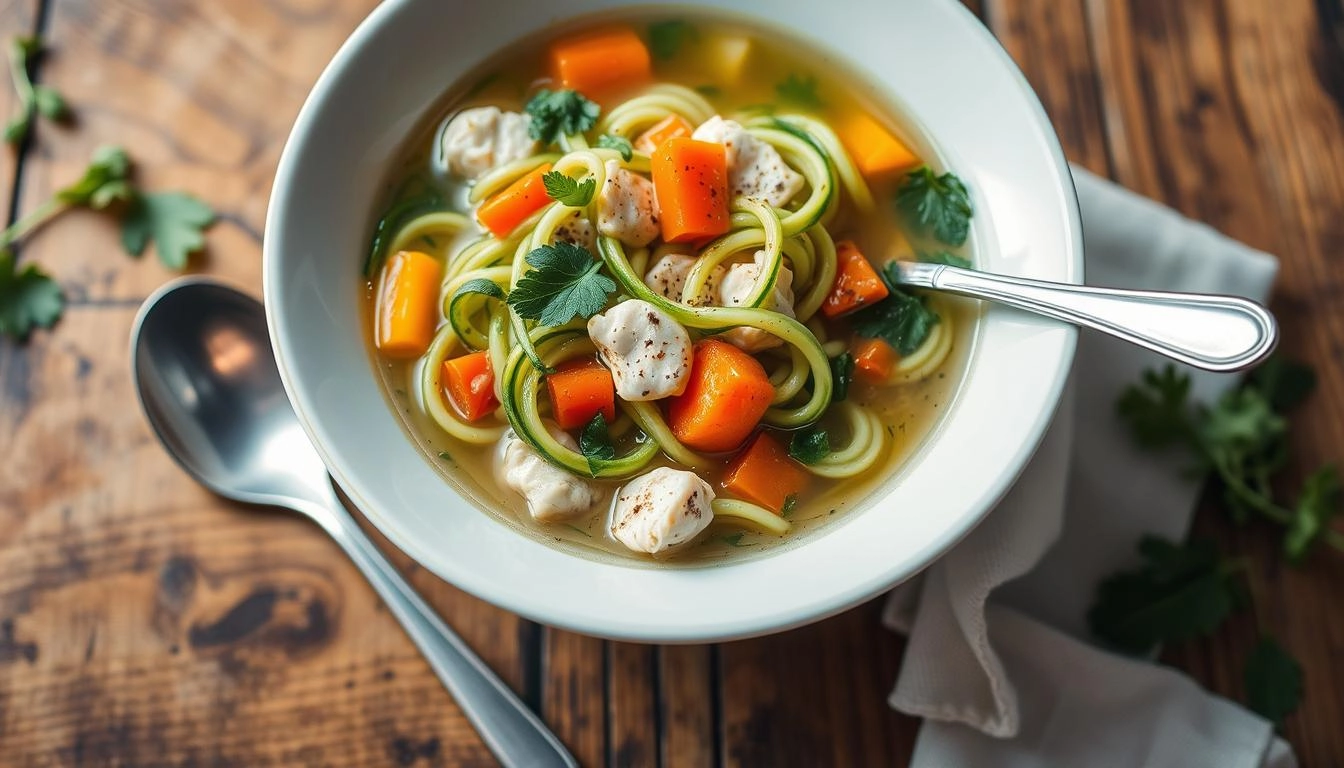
<point>690,632</point>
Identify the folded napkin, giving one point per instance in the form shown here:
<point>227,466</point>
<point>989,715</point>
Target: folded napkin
<point>998,660</point>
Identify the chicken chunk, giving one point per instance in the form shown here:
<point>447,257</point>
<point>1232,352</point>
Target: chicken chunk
<point>577,230</point>
<point>479,139</point>
<point>738,285</point>
<point>667,278</point>
<point>755,169</point>
<point>661,509</point>
<point>626,209</point>
<point>553,495</point>
<point>648,352</point>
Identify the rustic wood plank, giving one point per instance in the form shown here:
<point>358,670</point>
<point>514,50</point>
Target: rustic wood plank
<point>573,700</point>
<point>632,705</point>
<point>687,706</point>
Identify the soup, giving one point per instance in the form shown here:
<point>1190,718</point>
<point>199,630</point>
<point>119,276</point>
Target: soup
<point>633,290</point>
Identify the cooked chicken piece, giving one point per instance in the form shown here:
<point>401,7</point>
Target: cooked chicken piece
<point>667,278</point>
<point>479,139</point>
<point>578,230</point>
<point>648,352</point>
<point>737,286</point>
<point>553,495</point>
<point>626,209</point>
<point>755,168</point>
<point>661,509</point>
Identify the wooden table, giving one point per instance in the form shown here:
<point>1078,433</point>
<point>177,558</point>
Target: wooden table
<point>145,622</point>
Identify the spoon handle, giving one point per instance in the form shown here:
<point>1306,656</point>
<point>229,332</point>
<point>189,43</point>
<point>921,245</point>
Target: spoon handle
<point>1216,333</point>
<point>513,732</point>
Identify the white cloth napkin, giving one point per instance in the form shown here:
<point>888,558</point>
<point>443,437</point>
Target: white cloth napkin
<point>998,660</point>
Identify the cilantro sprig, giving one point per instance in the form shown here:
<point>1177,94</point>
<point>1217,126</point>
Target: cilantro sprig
<point>560,113</point>
<point>618,143</point>
<point>34,99</point>
<point>936,206</point>
<point>564,283</point>
<point>567,190</point>
<point>595,442</point>
<point>28,298</point>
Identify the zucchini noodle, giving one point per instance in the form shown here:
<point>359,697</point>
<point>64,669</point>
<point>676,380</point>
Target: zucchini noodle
<point>760,518</point>
<point>864,448</point>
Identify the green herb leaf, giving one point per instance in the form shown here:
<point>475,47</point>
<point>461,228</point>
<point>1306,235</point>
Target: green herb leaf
<point>17,128</point>
<point>1178,592</point>
<point>903,320</point>
<point>107,179</point>
<point>595,442</point>
<point>564,282</point>
<point>1284,383</point>
<point>567,190</point>
<point>50,103</point>
<point>842,375</point>
<point>618,143</point>
<point>33,99</point>
<point>445,456</point>
<point>1156,408</point>
<point>934,205</point>
<point>944,257</point>
<point>790,504</point>
<point>733,539</point>
<point>810,445</point>
<point>667,37</point>
<point>175,221</point>
<point>800,91</point>
<point>482,286</point>
<point>709,91</point>
<point>27,46</point>
<point>556,113</point>
<point>1317,504</point>
<point>28,298</point>
<point>1273,681</point>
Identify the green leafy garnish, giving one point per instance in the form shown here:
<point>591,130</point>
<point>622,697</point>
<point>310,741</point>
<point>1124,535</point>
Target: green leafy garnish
<point>618,143</point>
<point>1273,681</point>
<point>557,113</point>
<point>790,504</point>
<point>1243,440</point>
<point>174,221</point>
<point>1180,591</point>
<point>667,37</point>
<point>733,539</point>
<point>28,298</point>
<point>709,91</point>
<point>810,445</point>
<point>482,286</point>
<point>903,320</point>
<point>567,190</point>
<point>935,205</point>
<point>842,375</point>
<point>34,99</point>
<point>595,442</point>
<point>445,456</point>
<point>943,257</point>
<point>564,282</point>
<point>799,90</point>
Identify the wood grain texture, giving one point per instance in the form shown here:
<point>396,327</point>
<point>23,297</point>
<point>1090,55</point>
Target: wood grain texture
<point>144,622</point>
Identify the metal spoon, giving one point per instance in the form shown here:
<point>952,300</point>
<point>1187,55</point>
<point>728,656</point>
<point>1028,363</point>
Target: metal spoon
<point>1216,333</point>
<point>203,370</point>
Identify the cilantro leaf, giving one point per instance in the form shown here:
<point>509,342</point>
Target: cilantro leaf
<point>810,445</point>
<point>1273,681</point>
<point>106,180</point>
<point>944,257</point>
<point>556,113</point>
<point>28,298</point>
<point>482,286</point>
<point>618,143</point>
<point>902,320</point>
<point>175,221</point>
<point>1317,504</point>
<point>566,190</point>
<point>595,442</point>
<point>935,205</point>
<point>800,91</point>
<point>1155,409</point>
<point>34,99</point>
<point>1178,592</point>
<point>842,374</point>
<point>564,282</point>
<point>667,37</point>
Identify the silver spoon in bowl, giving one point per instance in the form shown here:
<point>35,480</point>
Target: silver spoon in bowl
<point>206,378</point>
<point>1216,333</point>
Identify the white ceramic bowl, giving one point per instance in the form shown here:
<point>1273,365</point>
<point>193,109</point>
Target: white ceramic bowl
<point>984,119</point>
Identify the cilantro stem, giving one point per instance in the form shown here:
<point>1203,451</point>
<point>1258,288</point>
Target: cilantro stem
<point>40,215</point>
<point>1269,509</point>
<point>18,72</point>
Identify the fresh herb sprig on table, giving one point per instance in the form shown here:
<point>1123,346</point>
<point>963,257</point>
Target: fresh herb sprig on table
<point>34,99</point>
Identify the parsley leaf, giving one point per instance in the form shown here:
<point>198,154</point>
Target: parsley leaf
<point>1285,383</point>
<point>567,190</point>
<point>935,205</point>
<point>28,298</point>
<point>1178,592</point>
<point>106,180</point>
<point>34,99</point>
<point>595,442</point>
<point>667,37</point>
<point>944,257</point>
<point>1156,407</point>
<point>482,286</point>
<point>842,374</point>
<point>800,91</point>
<point>175,221</point>
<point>1318,503</point>
<point>810,445</point>
<point>902,320</point>
<point>1273,681</point>
<point>618,143</point>
<point>564,282</point>
<point>556,113</point>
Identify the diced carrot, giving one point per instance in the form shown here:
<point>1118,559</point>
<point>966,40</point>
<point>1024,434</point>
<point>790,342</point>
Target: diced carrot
<point>507,209</point>
<point>599,62</point>
<point>469,384</point>
<point>873,148</point>
<point>407,302</point>
<point>856,284</point>
<point>579,390</point>
<point>726,395</point>
<point>669,127</point>
<point>764,474</point>
<point>690,179</point>
<point>873,359</point>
